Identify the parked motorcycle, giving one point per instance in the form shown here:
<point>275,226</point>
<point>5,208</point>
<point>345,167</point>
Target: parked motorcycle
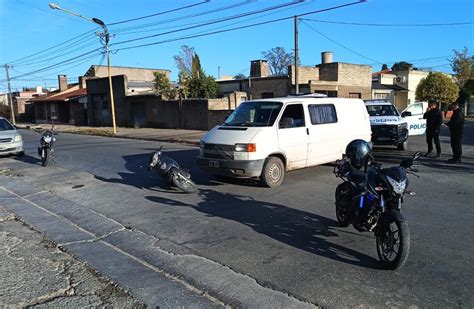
<point>46,151</point>
<point>371,200</point>
<point>169,169</point>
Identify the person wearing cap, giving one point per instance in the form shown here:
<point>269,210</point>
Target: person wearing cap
<point>434,120</point>
<point>456,128</point>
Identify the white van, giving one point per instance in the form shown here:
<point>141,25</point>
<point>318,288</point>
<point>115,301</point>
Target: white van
<point>264,138</point>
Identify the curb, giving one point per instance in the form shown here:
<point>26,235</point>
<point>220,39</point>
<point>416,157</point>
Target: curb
<point>157,139</point>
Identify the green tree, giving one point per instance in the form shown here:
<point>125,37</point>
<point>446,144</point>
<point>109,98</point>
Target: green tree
<point>437,88</point>
<point>240,76</point>
<point>402,66</point>
<point>278,60</point>
<point>463,67</point>
<point>163,86</point>
<point>192,78</point>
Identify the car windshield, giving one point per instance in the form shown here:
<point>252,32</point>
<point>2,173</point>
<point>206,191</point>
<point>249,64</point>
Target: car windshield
<point>382,110</point>
<point>5,125</point>
<point>254,114</point>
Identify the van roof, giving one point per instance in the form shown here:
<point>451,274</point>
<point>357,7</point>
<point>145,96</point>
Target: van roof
<point>377,102</point>
<point>304,98</point>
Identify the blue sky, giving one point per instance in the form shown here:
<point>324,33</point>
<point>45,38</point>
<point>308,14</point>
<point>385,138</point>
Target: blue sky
<point>29,26</point>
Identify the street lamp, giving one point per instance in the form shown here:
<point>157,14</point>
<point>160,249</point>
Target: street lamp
<point>106,35</point>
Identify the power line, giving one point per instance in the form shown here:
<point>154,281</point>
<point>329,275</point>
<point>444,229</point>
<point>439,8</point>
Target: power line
<point>241,27</point>
<point>52,47</point>
<point>160,13</point>
<point>390,25</point>
<point>339,44</point>
<point>185,17</point>
<point>214,21</point>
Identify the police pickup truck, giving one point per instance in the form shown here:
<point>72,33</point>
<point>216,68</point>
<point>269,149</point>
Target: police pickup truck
<point>388,127</point>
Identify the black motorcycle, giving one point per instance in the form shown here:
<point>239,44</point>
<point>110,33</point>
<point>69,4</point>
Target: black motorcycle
<point>170,170</point>
<point>46,151</point>
<point>371,200</point>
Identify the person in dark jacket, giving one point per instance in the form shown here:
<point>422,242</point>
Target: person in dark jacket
<point>434,120</point>
<point>456,128</point>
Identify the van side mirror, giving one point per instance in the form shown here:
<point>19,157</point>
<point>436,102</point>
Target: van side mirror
<point>406,114</point>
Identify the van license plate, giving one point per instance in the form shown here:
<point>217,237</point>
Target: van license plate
<point>213,163</point>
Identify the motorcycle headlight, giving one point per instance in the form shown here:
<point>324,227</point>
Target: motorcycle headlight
<point>398,187</point>
<point>17,138</point>
<point>48,139</point>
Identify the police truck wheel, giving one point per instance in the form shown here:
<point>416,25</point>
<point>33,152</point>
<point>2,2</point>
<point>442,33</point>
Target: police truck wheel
<point>403,146</point>
<point>273,172</point>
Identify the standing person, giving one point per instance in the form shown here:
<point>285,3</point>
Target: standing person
<point>456,128</point>
<point>434,120</point>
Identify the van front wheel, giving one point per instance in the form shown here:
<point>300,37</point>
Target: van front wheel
<point>273,172</point>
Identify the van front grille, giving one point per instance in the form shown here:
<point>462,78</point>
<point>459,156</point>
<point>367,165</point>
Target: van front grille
<point>218,151</point>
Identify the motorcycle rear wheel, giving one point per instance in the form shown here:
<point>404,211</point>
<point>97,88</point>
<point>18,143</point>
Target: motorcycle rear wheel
<point>393,241</point>
<point>46,157</point>
<point>183,183</point>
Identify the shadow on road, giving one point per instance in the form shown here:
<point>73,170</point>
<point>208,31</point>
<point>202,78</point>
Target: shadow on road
<point>296,228</point>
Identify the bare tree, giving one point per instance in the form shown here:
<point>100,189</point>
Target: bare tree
<point>184,60</point>
<point>278,60</point>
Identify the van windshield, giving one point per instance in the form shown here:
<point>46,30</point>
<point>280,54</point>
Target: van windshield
<point>254,114</point>
<point>382,110</point>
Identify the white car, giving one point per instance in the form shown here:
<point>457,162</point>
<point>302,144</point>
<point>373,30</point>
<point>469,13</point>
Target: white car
<point>413,114</point>
<point>11,141</point>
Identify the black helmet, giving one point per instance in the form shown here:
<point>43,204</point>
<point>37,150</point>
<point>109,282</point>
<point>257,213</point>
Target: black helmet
<point>358,152</point>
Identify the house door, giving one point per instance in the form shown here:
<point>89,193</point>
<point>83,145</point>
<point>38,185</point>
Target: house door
<point>139,114</point>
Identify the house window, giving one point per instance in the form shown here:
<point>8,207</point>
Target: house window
<point>355,95</point>
<point>292,117</point>
<point>329,93</point>
<point>266,95</point>
<point>322,113</point>
<point>381,96</point>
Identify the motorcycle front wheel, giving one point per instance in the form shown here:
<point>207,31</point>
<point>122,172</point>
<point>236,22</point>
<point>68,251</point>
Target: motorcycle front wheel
<point>183,183</point>
<point>344,194</point>
<point>46,155</point>
<point>393,240</point>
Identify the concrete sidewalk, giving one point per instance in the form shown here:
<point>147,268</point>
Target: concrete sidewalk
<point>35,273</point>
<point>163,135</point>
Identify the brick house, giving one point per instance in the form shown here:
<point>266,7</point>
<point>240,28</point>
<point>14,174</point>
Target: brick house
<point>335,79</point>
<point>67,104</point>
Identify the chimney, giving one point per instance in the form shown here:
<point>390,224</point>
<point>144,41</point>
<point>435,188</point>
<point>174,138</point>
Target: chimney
<point>258,68</point>
<point>82,82</point>
<point>326,57</point>
<point>39,89</point>
<point>62,80</point>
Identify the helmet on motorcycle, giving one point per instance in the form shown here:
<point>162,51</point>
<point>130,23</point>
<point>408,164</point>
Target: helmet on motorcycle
<point>358,152</point>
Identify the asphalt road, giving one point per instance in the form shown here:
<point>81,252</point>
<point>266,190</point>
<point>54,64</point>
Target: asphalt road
<point>287,238</point>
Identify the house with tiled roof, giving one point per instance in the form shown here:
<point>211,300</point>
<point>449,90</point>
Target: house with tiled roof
<point>67,104</point>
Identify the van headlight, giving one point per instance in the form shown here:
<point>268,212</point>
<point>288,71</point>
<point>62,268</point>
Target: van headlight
<point>245,147</point>
<point>398,187</point>
<point>17,138</point>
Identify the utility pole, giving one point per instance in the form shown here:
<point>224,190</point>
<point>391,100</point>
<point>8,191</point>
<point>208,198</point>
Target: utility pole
<point>218,72</point>
<point>10,101</point>
<point>297,87</point>
<point>105,35</point>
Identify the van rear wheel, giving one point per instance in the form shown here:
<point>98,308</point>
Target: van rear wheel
<point>273,172</point>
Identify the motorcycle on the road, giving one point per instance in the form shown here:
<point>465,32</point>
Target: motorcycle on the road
<point>170,170</point>
<point>46,151</point>
<point>371,200</point>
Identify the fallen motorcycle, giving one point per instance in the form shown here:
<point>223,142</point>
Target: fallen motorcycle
<point>371,200</point>
<point>170,170</point>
